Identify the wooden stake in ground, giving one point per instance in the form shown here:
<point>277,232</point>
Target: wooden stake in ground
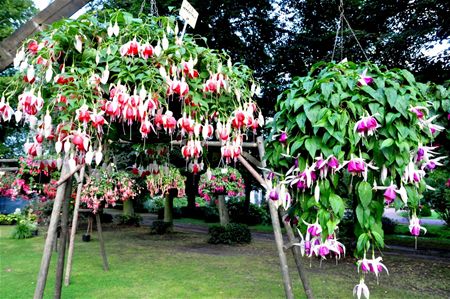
<point>168,209</point>
<point>298,261</point>
<point>63,240</point>
<point>74,226</point>
<point>51,235</point>
<point>102,242</point>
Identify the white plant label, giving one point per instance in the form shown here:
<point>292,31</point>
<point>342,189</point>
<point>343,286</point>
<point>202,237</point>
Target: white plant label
<point>188,13</point>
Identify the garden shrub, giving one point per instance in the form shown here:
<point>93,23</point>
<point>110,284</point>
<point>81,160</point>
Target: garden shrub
<point>24,229</point>
<point>440,198</point>
<point>255,214</point>
<point>159,227</point>
<point>130,220</point>
<point>8,219</point>
<point>425,211</point>
<point>388,225</point>
<point>232,233</point>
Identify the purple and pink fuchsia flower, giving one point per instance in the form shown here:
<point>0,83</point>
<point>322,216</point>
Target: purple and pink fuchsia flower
<point>373,265</point>
<point>357,166</point>
<point>364,79</point>
<point>415,227</point>
<point>366,126</point>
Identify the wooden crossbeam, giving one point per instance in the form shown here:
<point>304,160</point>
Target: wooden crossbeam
<point>57,10</point>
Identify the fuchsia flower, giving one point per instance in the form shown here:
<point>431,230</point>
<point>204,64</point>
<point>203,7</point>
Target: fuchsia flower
<point>357,166</point>
<point>314,229</point>
<point>283,137</point>
<point>415,227</point>
<point>364,79</point>
<point>361,289</point>
<point>373,265</point>
<point>419,111</point>
<point>366,126</point>
<point>130,49</point>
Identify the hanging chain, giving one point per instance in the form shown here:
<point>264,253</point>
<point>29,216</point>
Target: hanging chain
<point>341,24</point>
<point>153,8</point>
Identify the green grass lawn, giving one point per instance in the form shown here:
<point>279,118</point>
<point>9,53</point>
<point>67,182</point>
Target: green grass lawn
<point>405,214</point>
<point>183,265</point>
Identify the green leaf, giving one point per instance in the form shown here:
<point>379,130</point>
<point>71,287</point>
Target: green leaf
<point>390,117</point>
<point>408,76</point>
<point>362,242</point>
<point>297,144</point>
<point>337,204</point>
<point>311,146</point>
<point>326,88</point>
<point>391,96</point>
<point>378,238</point>
<point>387,143</point>
<point>365,194</point>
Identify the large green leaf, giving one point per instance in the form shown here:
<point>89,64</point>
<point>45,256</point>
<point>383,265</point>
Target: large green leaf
<point>365,193</point>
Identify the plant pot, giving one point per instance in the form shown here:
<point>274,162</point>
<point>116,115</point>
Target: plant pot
<point>86,238</point>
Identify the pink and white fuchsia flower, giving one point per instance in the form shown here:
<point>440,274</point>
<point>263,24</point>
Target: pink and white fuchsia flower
<point>366,126</point>
<point>364,79</point>
<point>415,227</point>
<point>373,265</point>
<point>357,166</point>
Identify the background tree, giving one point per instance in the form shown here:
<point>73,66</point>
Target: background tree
<point>13,14</point>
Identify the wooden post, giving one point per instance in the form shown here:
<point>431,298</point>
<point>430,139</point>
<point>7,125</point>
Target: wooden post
<point>51,235</point>
<point>168,209</point>
<point>73,231</point>
<point>223,211</point>
<point>279,242</point>
<point>298,261</point>
<point>102,242</point>
<point>63,240</point>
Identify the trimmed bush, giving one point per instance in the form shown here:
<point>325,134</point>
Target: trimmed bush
<point>24,230</point>
<point>425,211</point>
<point>388,225</point>
<point>159,227</point>
<point>232,233</point>
<point>130,220</point>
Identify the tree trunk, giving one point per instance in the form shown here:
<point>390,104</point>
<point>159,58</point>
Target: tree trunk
<point>168,208</point>
<point>128,208</point>
<point>191,191</point>
<point>223,210</point>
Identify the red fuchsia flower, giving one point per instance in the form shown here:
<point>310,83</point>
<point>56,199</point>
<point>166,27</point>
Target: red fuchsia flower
<point>146,128</point>
<point>188,68</point>
<point>415,227</point>
<point>98,121</point>
<point>30,103</point>
<point>366,126</point>
<point>6,112</point>
<point>146,51</point>
<point>364,79</point>
<point>215,83</point>
<point>83,114</point>
<point>207,131</point>
<point>80,140</point>
<point>33,47</point>
<point>169,122</point>
<point>130,49</point>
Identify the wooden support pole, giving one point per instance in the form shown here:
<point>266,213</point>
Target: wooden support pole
<point>68,175</point>
<point>102,242</point>
<point>63,240</point>
<point>298,260</point>
<point>73,231</point>
<point>281,254</point>
<point>51,235</point>
<point>168,209</point>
